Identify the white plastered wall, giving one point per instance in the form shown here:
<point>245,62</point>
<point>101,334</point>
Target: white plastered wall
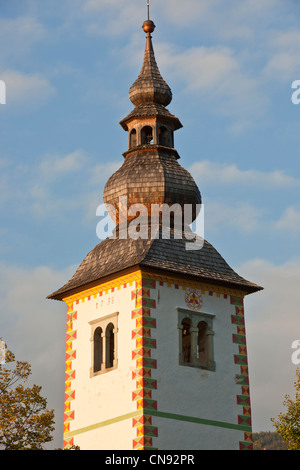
<point>195,392</point>
<point>107,396</point>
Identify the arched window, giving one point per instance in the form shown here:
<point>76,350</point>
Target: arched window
<point>98,349</point>
<point>104,350</point>
<point>186,340</point>
<point>147,135</point>
<point>164,137</point>
<point>196,345</point>
<point>110,346</point>
<point>203,344</point>
<point>133,140</point>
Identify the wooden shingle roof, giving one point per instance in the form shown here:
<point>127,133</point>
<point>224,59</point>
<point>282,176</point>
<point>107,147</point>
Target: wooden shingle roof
<point>168,255</point>
<point>150,86</point>
<point>151,109</point>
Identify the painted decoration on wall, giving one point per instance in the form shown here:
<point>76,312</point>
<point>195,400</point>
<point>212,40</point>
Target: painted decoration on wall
<point>193,299</point>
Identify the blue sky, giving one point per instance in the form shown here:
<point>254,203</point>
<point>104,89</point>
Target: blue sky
<point>68,66</point>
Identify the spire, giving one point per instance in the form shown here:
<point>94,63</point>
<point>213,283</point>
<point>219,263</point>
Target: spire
<point>150,175</point>
<point>150,87</point>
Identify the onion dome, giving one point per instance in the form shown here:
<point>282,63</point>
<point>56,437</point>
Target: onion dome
<point>151,177</point>
<point>150,86</point>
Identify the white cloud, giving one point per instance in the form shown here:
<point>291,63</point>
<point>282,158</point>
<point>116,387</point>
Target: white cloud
<point>102,171</point>
<point>272,323</point>
<point>39,189</point>
<point>92,5</point>
<point>123,17</point>
<point>241,20</point>
<point>220,77</point>
<point>60,184</point>
<point>203,68</point>
<point>185,13</point>
<point>25,91</point>
<point>75,169</point>
<point>4,189</point>
<point>234,20</point>
<point>231,19</point>
<point>284,61</point>
<point>207,172</point>
<point>242,217</point>
<point>17,35</point>
<point>46,189</point>
<point>289,221</point>
<point>56,165</point>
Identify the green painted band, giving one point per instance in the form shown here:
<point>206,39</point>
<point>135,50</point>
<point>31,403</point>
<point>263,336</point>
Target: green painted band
<point>160,414</point>
<point>208,422</point>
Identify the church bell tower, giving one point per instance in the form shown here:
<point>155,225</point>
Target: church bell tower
<point>156,354</point>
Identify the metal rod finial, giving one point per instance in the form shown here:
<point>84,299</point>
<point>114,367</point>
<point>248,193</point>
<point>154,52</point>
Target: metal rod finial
<point>148,25</point>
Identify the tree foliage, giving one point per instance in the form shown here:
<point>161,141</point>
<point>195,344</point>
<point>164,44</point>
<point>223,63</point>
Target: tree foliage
<point>267,440</point>
<point>25,421</point>
<point>288,424</point>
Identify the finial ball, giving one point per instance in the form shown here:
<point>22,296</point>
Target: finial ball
<point>148,26</point>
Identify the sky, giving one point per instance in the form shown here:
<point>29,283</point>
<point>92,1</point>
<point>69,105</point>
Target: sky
<point>68,66</point>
